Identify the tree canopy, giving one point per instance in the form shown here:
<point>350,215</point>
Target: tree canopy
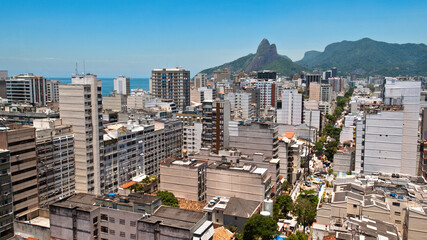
<point>168,198</point>
<point>297,236</point>
<point>259,226</point>
<point>282,206</point>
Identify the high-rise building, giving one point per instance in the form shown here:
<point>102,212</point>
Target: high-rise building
<point>3,77</point>
<point>290,111</point>
<point>314,93</point>
<point>241,104</point>
<point>52,88</point>
<point>55,160</point>
<point>387,140</point>
<point>334,72</point>
<point>171,84</point>
<point>267,93</point>
<point>312,118</point>
<point>20,141</point>
<point>122,85</point>
<point>325,93</point>
<point>222,74</point>
<point>251,138</point>
<point>6,214</point>
<point>80,105</point>
<point>200,80</point>
<point>326,75</point>
<point>27,88</point>
<point>310,78</point>
<point>216,115</point>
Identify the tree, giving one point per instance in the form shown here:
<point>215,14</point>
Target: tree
<point>331,149</point>
<point>297,236</point>
<point>168,198</point>
<point>318,148</point>
<point>282,206</point>
<point>305,211</point>
<point>259,226</point>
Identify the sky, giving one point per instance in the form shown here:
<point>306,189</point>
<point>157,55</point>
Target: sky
<point>132,37</point>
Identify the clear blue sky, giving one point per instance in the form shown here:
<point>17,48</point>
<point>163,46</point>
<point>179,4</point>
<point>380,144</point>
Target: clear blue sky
<point>133,37</point>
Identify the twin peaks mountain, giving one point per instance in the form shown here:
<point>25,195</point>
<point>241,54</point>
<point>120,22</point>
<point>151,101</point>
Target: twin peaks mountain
<point>265,58</point>
<point>364,56</point>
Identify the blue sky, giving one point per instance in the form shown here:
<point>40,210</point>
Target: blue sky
<point>132,37</point>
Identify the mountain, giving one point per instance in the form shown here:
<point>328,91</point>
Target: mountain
<point>367,56</point>
<point>265,58</point>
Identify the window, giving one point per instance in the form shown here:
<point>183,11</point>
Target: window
<point>112,220</point>
<point>132,223</point>
<point>112,232</point>
<point>396,204</point>
<point>95,220</point>
<point>354,206</point>
<point>122,222</point>
<point>132,236</point>
<point>104,229</point>
<point>397,213</point>
<point>398,222</point>
<point>104,217</point>
<point>122,234</point>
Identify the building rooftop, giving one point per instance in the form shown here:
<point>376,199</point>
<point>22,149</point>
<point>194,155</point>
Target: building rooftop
<point>190,162</point>
<point>243,208</point>
<point>175,217</point>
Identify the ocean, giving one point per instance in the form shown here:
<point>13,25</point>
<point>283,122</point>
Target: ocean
<point>108,83</point>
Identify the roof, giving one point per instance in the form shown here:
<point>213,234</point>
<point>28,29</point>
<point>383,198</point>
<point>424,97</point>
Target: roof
<point>128,184</point>
<point>239,207</point>
<point>289,135</point>
<point>222,233</point>
<point>175,217</point>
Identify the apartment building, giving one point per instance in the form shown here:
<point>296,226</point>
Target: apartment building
<point>312,118</point>
<point>27,88</point>
<point>241,104</point>
<point>290,112</point>
<point>267,93</point>
<point>87,216</point>
<point>117,103</point>
<point>122,85</point>
<point>216,115</point>
<point>222,74</point>
<point>314,93</point>
<point>251,138</point>
<point>6,214</point>
<point>325,93</point>
<point>55,160</point>
<point>192,138</point>
<point>233,180</point>
<point>20,141</point>
<point>185,177</point>
<point>52,90</point>
<point>3,76</point>
<point>171,84</point>
<point>80,105</point>
<point>200,80</point>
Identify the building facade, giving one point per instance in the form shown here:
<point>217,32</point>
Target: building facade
<point>6,214</point>
<point>290,111</point>
<point>122,85</point>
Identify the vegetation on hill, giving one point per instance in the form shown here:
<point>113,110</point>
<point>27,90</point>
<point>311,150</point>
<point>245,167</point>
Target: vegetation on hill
<point>367,56</point>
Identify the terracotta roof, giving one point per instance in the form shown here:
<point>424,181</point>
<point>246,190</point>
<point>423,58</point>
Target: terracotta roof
<point>222,234</point>
<point>289,135</point>
<point>330,237</point>
<point>128,184</point>
<point>191,205</point>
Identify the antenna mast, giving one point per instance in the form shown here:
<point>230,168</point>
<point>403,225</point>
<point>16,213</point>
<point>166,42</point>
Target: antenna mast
<point>84,67</point>
<point>77,69</point>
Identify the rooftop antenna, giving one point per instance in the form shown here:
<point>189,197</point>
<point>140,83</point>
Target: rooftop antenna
<point>77,69</point>
<point>84,67</point>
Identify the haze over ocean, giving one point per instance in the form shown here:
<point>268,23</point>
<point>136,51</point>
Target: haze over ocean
<point>108,83</point>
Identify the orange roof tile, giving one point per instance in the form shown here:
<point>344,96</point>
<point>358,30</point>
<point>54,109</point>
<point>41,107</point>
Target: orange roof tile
<point>128,184</point>
<point>289,135</point>
<point>222,233</point>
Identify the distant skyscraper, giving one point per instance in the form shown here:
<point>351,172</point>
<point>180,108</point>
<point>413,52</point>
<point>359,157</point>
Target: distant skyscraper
<point>290,113</point>
<point>122,85</point>
<point>80,105</point>
<point>171,84</point>
<point>267,74</point>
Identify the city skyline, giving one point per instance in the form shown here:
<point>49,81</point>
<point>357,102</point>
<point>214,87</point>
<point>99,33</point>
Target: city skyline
<point>134,38</point>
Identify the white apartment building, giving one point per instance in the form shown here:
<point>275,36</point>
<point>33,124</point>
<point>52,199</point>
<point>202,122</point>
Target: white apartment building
<point>200,80</point>
<point>241,104</point>
<point>387,141</point>
<point>192,138</point>
<point>80,105</point>
<point>312,118</point>
<point>122,85</point>
<point>55,160</point>
<point>267,93</point>
<point>290,113</point>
